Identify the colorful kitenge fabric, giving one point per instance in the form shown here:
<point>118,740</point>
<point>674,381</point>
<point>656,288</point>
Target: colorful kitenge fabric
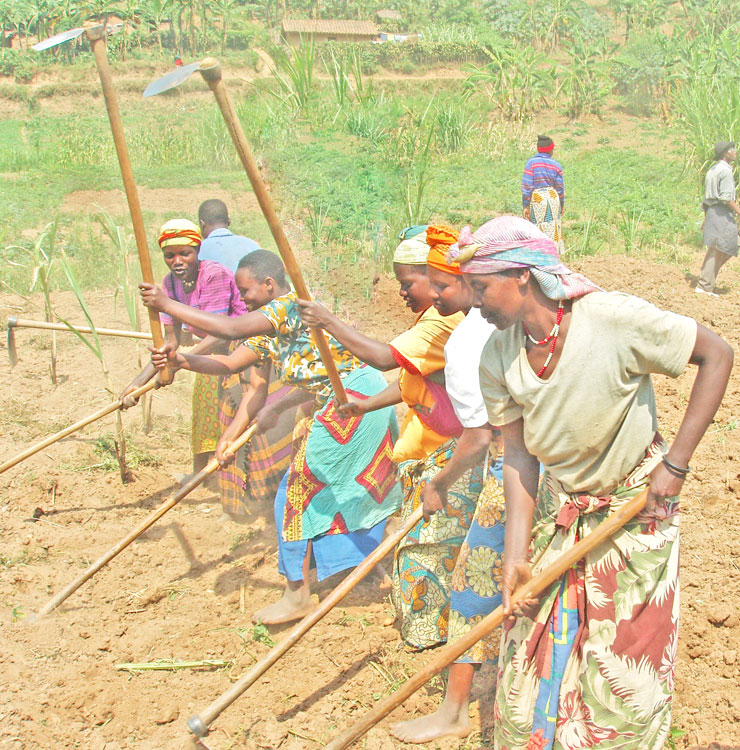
<point>544,213</point>
<point>342,477</point>
<point>293,353</point>
<point>476,580</point>
<point>595,665</point>
<point>513,242</point>
<point>425,558</point>
<point>542,171</point>
<point>206,429</point>
<point>330,553</point>
<point>258,467</point>
<point>214,292</point>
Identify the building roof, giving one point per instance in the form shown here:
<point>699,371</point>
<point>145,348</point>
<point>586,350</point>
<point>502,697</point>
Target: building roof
<point>326,26</point>
<point>389,15</point>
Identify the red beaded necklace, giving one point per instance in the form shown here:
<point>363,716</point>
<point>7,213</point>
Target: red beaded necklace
<point>552,337</point>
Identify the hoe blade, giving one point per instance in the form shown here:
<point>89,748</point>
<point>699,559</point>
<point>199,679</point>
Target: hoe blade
<point>12,353</point>
<point>52,41</point>
<point>169,81</point>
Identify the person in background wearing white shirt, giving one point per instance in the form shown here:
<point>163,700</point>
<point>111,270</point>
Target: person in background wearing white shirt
<point>720,209</point>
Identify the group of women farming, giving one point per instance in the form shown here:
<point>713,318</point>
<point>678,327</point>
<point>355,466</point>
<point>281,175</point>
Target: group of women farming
<point>531,417</point>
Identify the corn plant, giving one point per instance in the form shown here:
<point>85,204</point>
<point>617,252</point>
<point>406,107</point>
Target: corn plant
<point>585,81</point>
<point>40,259</point>
<point>127,289</point>
<point>516,80</point>
<point>93,343</point>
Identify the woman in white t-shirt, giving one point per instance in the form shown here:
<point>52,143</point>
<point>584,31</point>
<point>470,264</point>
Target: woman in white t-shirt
<point>567,378</point>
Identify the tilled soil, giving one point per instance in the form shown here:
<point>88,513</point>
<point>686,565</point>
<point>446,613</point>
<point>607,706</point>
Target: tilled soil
<point>176,592</point>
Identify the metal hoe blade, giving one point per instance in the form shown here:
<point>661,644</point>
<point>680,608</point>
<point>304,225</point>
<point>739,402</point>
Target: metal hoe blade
<point>52,41</point>
<point>169,81</point>
<point>12,353</point>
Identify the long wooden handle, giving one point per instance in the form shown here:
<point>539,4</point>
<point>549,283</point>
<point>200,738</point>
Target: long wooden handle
<point>45,326</point>
<point>96,36</point>
<point>452,651</point>
<point>150,520</point>
<point>46,442</point>
<point>211,71</point>
<point>198,724</point>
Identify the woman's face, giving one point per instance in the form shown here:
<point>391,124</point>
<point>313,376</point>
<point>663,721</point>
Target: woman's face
<point>182,260</point>
<point>499,296</point>
<point>254,293</point>
<point>450,292</point>
<point>415,289</point>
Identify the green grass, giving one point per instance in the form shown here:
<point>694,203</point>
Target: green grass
<point>419,143</point>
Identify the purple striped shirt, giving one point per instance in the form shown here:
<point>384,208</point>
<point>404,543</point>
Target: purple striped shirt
<point>542,171</point>
<point>215,292</point>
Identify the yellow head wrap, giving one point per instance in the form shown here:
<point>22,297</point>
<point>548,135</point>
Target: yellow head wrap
<point>179,232</point>
<point>413,249</point>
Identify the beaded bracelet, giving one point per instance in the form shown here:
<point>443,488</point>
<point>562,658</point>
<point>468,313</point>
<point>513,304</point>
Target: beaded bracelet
<point>676,469</point>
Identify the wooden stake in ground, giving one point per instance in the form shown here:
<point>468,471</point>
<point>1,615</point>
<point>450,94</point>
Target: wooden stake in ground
<point>529,590</point>
<point>46,442</point>
<point>149,521</point>
<point>210,69</point>
<point>198,724</point>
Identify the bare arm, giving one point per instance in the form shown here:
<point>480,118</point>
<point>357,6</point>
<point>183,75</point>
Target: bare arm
<point>213,364</point>
<point>713,357</point>
<point>252,401</point>
<point>221,326</point>
<point>521,474</point>
<point>372,352</point>
<point>390,396</point>
<point>470,451</point>
<point>149,371</point>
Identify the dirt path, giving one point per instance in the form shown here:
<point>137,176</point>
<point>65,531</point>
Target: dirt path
<point>175,593</point>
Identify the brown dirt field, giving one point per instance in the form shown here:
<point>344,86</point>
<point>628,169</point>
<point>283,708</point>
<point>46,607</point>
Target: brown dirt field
<point>175,592</point>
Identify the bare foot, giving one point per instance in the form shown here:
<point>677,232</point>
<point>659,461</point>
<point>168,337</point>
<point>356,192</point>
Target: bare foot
<point>442,723</point>
<point>383,579</point>
<point>293,605</point>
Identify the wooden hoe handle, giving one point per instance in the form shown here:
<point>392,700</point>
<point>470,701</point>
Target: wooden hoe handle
<point>452,651</point>
<point>46,442</point>
<point>198,724</point>
<point>96,36</point>
<point>210,69</point>
<point>150,520</point>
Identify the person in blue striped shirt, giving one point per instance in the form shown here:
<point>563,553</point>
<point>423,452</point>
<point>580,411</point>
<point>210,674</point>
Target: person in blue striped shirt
<point>543,191</point>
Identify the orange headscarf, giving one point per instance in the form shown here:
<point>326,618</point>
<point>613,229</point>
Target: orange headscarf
<point>439,238</point>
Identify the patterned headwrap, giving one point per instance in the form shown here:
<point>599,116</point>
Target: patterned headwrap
<point>413,249</point>
<point>179,232</point>
<point>513,242</point>
<point>439,238</point>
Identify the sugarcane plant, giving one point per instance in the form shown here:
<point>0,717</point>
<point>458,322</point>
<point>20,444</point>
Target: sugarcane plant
<point>93,343</point>
<point>128,290</point>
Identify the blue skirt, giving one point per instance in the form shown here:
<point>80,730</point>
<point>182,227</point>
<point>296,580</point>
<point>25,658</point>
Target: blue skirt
<point>331,553</point>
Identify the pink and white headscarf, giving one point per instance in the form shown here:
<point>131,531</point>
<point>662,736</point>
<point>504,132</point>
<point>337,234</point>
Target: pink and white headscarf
<point>513,242</point>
